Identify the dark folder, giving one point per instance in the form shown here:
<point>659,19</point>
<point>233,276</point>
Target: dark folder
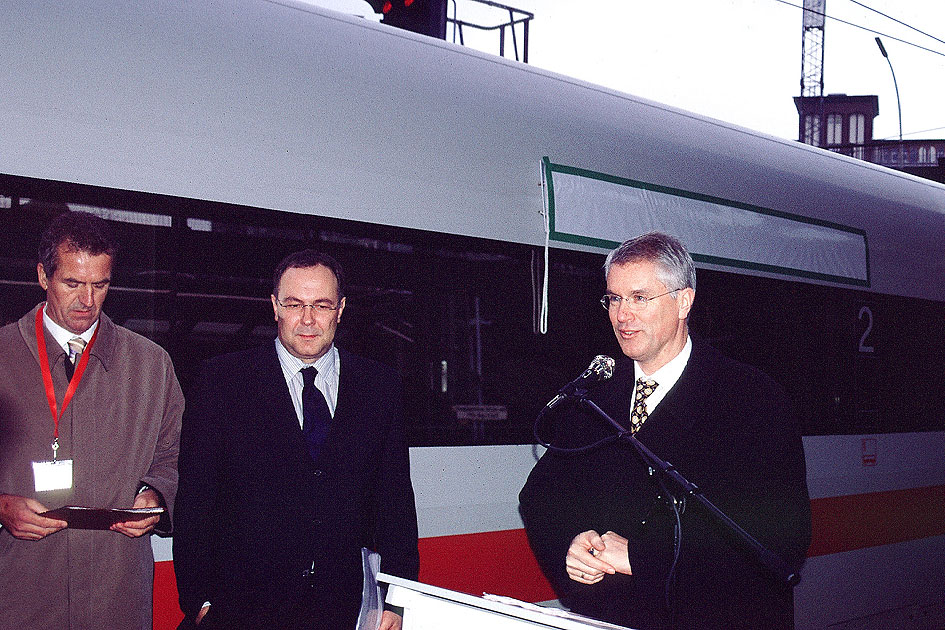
<point>100,518</point>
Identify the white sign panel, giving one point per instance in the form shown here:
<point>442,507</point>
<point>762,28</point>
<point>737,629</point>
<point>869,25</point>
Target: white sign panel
<point>599,210</point>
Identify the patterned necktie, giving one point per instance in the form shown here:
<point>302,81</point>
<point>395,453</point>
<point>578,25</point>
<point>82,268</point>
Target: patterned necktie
<point>639,415</point>
<point>315,413</point>
<point>76,348</point>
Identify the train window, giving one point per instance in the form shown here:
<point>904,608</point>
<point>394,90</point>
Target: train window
<point>456,316</point>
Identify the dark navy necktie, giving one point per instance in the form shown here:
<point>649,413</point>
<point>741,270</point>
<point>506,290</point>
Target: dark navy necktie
<point>315,413</point>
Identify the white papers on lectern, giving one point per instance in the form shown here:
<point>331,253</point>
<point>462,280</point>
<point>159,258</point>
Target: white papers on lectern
<point>432,608</point>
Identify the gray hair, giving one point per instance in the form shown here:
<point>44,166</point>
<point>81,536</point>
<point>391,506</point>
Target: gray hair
<point>674,266</point>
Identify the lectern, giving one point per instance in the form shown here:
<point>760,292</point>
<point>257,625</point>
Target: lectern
<point>432,608</point>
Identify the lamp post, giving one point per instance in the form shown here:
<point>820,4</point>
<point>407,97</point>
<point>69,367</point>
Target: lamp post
<point>882,49</point>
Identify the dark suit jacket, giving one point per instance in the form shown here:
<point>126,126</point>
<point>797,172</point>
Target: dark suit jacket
<point>254,510</point>
<point>726,427</point>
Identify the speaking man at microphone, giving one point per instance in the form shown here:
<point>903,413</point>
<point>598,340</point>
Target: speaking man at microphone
<point>602,524</point>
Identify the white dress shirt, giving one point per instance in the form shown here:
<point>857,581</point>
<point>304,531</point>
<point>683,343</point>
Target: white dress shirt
<point>328,366</point>
<point>62,336</point>
<point>665,377</point>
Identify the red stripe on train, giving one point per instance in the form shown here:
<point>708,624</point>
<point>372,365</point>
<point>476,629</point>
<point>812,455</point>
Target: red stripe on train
<point>879,518</point>
<point>502,563</point>
<point>476,563</point>
<point>167,614</point>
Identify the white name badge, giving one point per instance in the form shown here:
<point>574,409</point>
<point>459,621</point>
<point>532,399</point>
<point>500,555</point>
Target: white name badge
<point>56,475</point>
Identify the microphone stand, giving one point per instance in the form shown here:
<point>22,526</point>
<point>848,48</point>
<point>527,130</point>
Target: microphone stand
<point>770,560</point>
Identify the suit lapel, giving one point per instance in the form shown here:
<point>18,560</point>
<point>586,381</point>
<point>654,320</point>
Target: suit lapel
<point>276,411</point>
<point>683,409</point>
<point>344,421</point>
<point>345,435</point>
<point>622,392</point>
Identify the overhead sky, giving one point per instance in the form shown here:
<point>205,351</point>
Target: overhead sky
<point>737,60</point>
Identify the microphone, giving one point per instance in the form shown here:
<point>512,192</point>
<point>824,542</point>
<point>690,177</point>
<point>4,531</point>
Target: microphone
<point>600,369</point>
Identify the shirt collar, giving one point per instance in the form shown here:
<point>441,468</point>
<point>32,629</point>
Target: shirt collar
<point>291,364</point>
<point>61,335</point>
<point>667,375</point>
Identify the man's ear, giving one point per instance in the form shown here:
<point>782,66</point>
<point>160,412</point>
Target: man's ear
<point>41,275</point>
<point>684,299</point>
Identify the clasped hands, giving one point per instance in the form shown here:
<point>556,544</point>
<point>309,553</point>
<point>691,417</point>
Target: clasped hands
<point>591,556</point>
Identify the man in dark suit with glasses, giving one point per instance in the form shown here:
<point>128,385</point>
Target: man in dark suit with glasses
<point>600,522</point>
<point>293,458</point>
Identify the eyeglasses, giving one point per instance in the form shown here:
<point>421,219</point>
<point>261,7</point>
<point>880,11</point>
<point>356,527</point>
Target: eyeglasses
<point>635,302</point>
<point>317,308</point>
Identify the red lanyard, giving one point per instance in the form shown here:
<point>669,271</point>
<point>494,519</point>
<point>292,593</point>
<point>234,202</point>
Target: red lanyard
<point>47,373</point>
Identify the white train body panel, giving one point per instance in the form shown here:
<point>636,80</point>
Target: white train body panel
<point>281,105</point>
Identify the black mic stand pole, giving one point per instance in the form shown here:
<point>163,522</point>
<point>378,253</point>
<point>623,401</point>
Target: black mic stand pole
<point>770,560</point>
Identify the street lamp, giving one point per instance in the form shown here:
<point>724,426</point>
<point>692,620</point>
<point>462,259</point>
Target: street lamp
<point>882,49</point>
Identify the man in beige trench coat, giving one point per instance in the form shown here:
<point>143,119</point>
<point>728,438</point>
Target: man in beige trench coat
<point>116,431</point>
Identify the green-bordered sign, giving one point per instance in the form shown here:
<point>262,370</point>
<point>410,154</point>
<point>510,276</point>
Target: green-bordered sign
<point>600,210</point>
